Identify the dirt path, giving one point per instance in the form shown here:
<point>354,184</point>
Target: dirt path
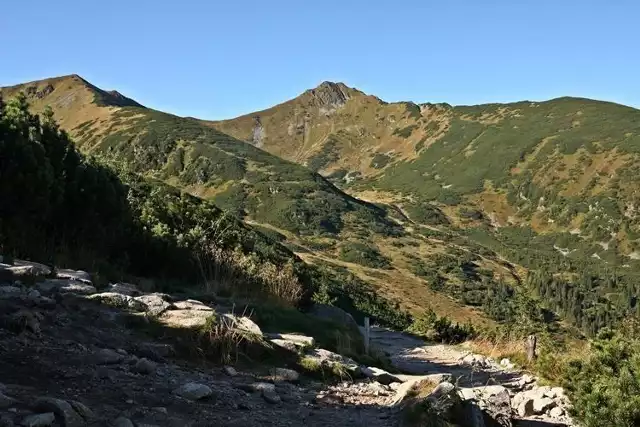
<point>417,357</point>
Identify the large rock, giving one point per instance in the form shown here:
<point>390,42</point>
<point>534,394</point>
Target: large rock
<point>193,391</point>
<point>118,300</point>
<point>283,374</point>
<point>185,318</point>
<point>298,340</point>
<point>156,303</point>
<point>124,289</point>
<point>62,409</point>
<point>77,275</point>
<point>330,359</point>
<point>28,268</point>
<point>494,402</point>
<point>288,345</point>
<point>240,323</point>
<point>413,382</point>
<point>192,304</point>
<point>379,375</point>
<point>335,314</point>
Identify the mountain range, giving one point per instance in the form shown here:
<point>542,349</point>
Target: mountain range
<point>459,208</point>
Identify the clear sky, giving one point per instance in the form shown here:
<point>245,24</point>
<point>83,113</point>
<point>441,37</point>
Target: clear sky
<point>218,59</point>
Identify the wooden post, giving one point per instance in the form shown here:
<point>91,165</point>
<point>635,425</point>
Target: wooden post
<point>531,348</point>
<point>366,335</point>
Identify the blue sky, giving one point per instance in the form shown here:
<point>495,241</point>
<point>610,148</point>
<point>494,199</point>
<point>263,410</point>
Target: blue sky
<point>219,59</point>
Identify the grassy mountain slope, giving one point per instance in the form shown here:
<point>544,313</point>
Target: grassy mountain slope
<point>550,186</point>
<point>206,162</point>
<point>344,236</point>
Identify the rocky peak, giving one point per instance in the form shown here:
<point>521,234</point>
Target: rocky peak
<point>330,94</point>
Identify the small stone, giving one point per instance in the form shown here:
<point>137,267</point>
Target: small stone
<point>6,401</point>
<point>230,370</point>
<point>129,401</point>
<point>122,422</point>
<point>160,409</point>
<point>145,366</point>
<point>270,396</point>
<point>39,420</point>
<point>107,356</point>
<point>193,391</point>
<point>122,351</point>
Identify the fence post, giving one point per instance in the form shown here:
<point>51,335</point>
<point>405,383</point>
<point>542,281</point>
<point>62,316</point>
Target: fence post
<point>366,335</point>
<point>531,348</point>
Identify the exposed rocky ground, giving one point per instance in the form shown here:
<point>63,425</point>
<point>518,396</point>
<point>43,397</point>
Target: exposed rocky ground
<point>73,355</point>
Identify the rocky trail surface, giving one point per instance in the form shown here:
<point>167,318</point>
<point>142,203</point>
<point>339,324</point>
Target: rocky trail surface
<point>73,355</point>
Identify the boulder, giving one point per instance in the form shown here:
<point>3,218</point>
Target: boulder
<point>118,300</point>
<point>476,361</point>
<point>28,268</point>
<point>287,345</point>
<point>283,374</point>
<point>62,410</point>
<point>446,402</point>
<point>156,303</point>
<point>77,275</point>
<point>542,405</point>
<point>330,359</point>
<point>192,304</point>
<point>240,323</point>
<point>80,288</point>
<point>193,391</point>
<point>185,318</point>
<point>495,403</point>
<point>298,340</point>
<point>379,375</point>
<point>412,382</point>
<point>124,289</point>
<point>335,314</point>
<point>39,420</point>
